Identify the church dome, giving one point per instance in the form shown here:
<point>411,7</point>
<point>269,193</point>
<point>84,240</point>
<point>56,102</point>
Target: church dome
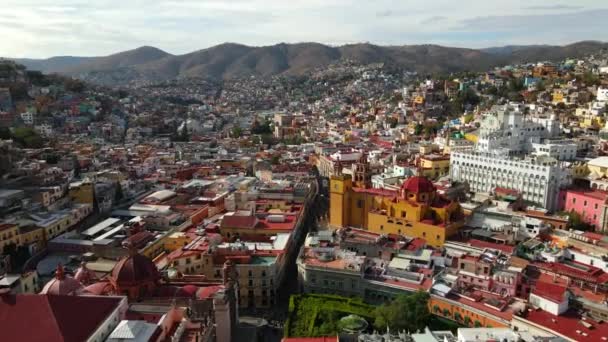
<point>135,269</point>
<point>418,184</point>
<point>62,284</point>
<point>100,289</point>
<point>84,275</point>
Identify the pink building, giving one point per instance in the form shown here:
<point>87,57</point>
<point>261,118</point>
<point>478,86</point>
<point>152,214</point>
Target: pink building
<point>590,204</point>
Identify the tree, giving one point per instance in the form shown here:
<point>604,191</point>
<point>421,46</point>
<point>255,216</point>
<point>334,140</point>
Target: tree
<point>477,324</point>
<point>257,128</point>
<point>406,312</point>
<point>268,139</point>
<point>74,85</point>
<point>590,79</point>
<point>275,160</point>
<point>27,137</point>
<point>468,118</point>
<point>52,159</point>
<point>492,90</point>
<point>576,221</point>
<point>185,134</point>
<point>118,195</point>
<point>392,122</point>
<point>540,85</point>
<point>5,133</point>
<point>516,85</point>
<point>237,132</point>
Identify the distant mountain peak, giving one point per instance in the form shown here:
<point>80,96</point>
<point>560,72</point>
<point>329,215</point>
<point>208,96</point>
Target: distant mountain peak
<point>230,59</point>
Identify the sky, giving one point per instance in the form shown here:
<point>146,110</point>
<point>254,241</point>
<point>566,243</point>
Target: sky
<point>45,28</point>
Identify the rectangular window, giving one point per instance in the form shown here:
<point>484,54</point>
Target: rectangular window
<point>360,204</point>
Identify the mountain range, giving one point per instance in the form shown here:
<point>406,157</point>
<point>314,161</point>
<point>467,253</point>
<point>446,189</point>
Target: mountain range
<point>231,60</point>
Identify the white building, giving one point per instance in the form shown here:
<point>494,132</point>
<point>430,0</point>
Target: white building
<point>506,127</point>
<point>44,130</point>
<point>602,94</point>
<point>537,179</point>
<point>487,334</point>
<point>550,297</point>
<point>557,149</point>
<point>27,118</point>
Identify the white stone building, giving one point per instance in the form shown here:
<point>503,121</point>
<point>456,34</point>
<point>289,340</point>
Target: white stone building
<point>537,179</point>
<point>558,149</point>
<point>506,127</point>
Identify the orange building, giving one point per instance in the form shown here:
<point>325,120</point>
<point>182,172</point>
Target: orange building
<point>469,312</point>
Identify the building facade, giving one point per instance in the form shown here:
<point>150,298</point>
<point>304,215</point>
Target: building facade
<point>538,180</point>
<point>416,210</point>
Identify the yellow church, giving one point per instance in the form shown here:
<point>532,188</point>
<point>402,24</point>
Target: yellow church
<point>416,210</point>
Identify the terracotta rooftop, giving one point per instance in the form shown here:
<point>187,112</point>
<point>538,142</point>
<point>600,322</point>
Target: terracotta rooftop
<point>57,318</point>
<point>569,324</point>
<point>552,292</point>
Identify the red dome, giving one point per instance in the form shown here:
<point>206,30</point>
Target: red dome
<point>62,284</point>
<point>134,270</point>
<point>99,289</point>
<point>417,185</point>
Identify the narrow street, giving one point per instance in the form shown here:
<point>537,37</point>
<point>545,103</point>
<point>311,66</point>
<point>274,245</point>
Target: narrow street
<point>252,322</point>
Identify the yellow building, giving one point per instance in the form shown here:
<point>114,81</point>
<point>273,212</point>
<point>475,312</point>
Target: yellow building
<point>82,192</point>
<point>593,122</point>
<point>32,234</point>
<point>558,96</point>
<point>579,170</point>
<point>416,210</point>
<point>9,234</point>
<point>435,166</point>
<point>471,137</point>
<point>176,241</point>
<point>598,167</point>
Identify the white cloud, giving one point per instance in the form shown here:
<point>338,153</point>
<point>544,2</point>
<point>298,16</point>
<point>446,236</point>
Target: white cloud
<point>42,28</point>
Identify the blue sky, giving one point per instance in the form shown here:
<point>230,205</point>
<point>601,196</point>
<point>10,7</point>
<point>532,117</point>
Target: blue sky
<point>44,28</point>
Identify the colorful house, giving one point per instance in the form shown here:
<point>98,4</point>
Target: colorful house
<point>591,205</point>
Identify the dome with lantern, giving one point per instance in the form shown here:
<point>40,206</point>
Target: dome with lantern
<point>62,284</point>
<point>134,269</point>
<point>418,189</point>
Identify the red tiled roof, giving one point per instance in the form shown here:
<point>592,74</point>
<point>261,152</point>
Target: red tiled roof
<point>379,192</point>
<point>567,324</point>
<point>56,318</point>
<point>490,245</point>
<point>552,292</point>
<point>577,271</point>
<point>239,221</point>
